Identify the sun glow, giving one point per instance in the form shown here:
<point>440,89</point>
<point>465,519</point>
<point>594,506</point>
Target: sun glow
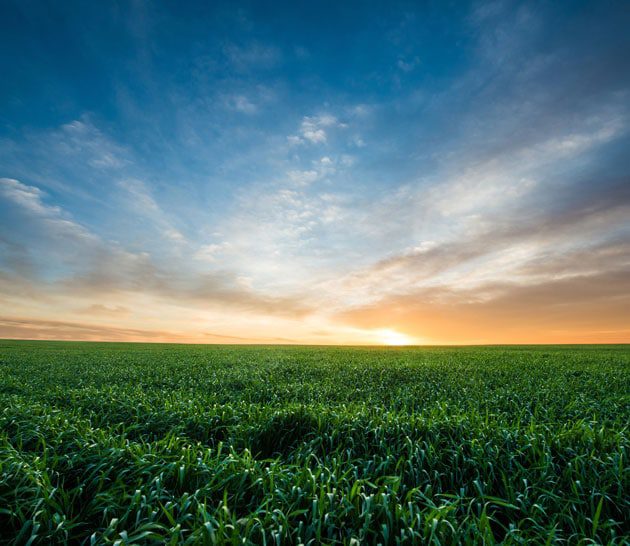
<point>391,337</point>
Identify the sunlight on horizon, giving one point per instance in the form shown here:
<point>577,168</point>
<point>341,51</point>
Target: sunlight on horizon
<point>394,338</point>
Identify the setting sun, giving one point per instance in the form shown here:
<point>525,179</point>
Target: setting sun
<point>391,337</point>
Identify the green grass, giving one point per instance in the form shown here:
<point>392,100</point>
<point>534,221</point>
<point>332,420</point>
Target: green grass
<point>167,444</point>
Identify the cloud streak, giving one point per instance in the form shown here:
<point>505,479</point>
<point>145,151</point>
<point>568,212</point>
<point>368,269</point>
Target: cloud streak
<point>87,266</point>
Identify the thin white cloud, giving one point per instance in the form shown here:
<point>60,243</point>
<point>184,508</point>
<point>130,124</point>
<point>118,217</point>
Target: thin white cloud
<point>26,196</point>
<point>54,223</point>
<point>73,260</point>
<point>211,252</point>
<point>141,201</point>
<point>82,138</point>
<point>303,178</point>
<point>314,129</point>
<point>241,103</point>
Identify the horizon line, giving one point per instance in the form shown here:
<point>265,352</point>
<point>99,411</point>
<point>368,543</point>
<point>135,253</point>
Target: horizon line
<point>298,344</point>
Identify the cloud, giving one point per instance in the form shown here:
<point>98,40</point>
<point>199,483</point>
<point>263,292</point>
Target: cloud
<point>242,104</point>
<point>303,178</point>
<point>26,207</point>
<point>249,100</point>
<point>322,168</point>
<point>108,310</point>
<point>581,309</point>
<point>82,138</point>
<point>67,259</point>
<point>314,129</point>
<point>511,243</point>
<point>28,197</point>
<point>211,252</point>
<point>20,328</point>
<point>76,160</point>
<point>141,201</point>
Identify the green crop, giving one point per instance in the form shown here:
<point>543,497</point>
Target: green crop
<point>174,444</point>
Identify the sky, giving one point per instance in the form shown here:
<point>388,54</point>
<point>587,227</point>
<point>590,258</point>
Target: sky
<point>315,172</point>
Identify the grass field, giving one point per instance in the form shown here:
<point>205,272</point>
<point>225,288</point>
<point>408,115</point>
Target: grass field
<point>153,444</point>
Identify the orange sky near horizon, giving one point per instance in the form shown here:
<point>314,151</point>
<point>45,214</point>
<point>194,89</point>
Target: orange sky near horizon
<point>562,313</point>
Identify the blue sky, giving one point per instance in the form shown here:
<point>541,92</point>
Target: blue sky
<point>315,172</point>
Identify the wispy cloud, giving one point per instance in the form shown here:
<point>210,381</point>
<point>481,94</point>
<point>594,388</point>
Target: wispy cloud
<point>314,129</point>
<point>242,104</point>
<point>19,328</point>
<point>211,252</point>
<point>100,309</point>
<point>71,259</point>
<point>81,138</point>
<point>141,202</point>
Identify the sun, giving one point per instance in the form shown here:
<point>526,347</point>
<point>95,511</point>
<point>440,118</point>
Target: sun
<point>391,337</point>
